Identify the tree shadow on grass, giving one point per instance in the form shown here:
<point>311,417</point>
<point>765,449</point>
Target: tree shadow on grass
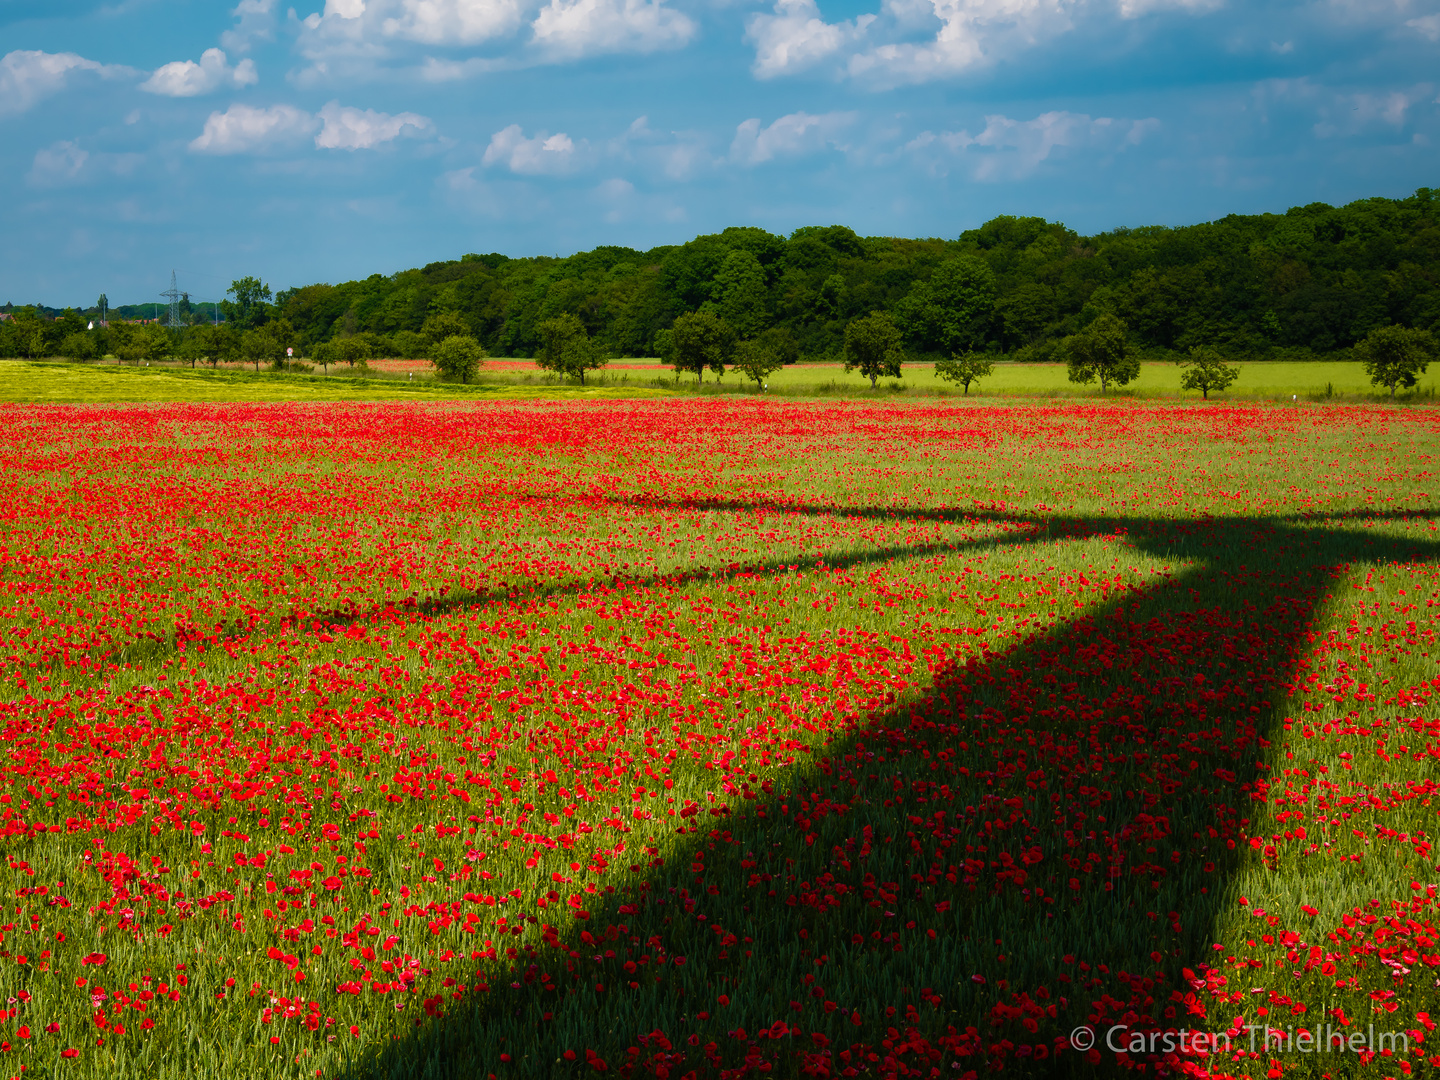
<point>1046,836</point>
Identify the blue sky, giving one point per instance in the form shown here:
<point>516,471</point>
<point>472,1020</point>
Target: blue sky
<point>341,138</point>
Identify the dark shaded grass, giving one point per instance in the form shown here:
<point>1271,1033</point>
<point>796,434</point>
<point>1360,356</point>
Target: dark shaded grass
<point>1194,667</point>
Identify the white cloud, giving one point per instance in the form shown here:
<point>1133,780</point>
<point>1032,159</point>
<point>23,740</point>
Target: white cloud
<point>1429,25</point>
<point>255,21</point>
<point>574,28</point>
<point>57,164</point>
<point>434,69</point>
<point>797,133</point>
<point>186,78</point>
<point>29,76</point>
<point>1131,9</point>
<point>795,37</point>
<point>543,154</point>
<point>1351,114</point>
<point>1013,149</point>
<point>449,22</point>
<point>902,45</point>
<point>972,33</point>
<point>67,163</point>
<point>241,128</point>
<point>345,9</point>
<point>356,129</point>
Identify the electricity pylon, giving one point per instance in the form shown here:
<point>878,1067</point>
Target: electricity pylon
<point>173,295</point>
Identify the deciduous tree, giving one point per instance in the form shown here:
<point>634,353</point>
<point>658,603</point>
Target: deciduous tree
<point>249,309</point>
<point>566,348</point>
<point>457,357</point>
<point>1206,370</point>
<point>1396,355</point>
<point>1101,351</point>
<point>261,346</point>
<point>872,344</point>
<point>755,360</point>
<point>700,340</point>
<point>965,368</point>
<point>444,324</point>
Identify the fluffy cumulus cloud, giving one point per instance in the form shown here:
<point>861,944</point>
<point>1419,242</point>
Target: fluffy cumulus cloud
<point>28,76</point>
<point>254,21</point>
<point>1008,149</point>
<point>972,33</point>
<point>357,129</point>
<point>448,22</point>
<point>351,35</point>
<point>792,135</point>
<point>243,129</point>
<point>574,28</point>
<point>186,78</point>
<point>541,154</point>
<point>795,37</point>
<point>913,41</point>
<point>1133,9</point>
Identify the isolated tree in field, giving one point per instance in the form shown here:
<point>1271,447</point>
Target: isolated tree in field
<point>566,348</point>
<point>700,340</point>
<point>872,344</point>
<point>1206,370</point>
<point>755,360</point>
<point>965,368</point>
<point>1101,351</point>
<point>1396,355</point>
<point>457,357</point>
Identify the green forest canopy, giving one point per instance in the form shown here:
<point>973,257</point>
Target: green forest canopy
<point>1315,279</point>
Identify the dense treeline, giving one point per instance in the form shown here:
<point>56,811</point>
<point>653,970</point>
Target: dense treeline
<point>1313,280</point>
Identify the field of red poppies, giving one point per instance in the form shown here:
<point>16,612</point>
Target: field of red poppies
<point>709,739</point>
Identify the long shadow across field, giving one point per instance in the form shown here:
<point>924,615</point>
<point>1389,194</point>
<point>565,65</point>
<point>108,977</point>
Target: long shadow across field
<point>1116,750</point>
